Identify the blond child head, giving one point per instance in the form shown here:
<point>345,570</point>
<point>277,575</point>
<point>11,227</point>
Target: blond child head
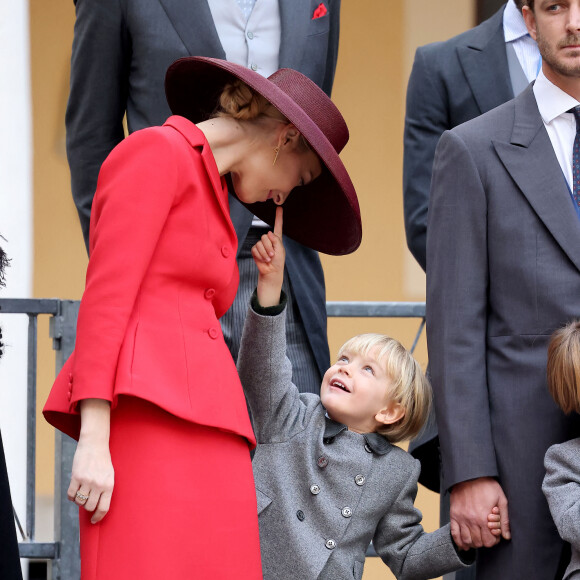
<point>564,367</point>
<point>377,385</point>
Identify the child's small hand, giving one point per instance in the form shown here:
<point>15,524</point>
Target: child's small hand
<point>269,256</point>
<point>494,522</point>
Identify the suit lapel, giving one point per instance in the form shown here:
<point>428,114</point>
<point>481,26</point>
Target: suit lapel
<point>294,19</point>
<point>188,19</point>
<point>531,161</point>
<point>484,63</point>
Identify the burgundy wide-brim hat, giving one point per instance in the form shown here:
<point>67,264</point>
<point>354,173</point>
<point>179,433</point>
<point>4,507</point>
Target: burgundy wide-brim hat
<point>323,215</point>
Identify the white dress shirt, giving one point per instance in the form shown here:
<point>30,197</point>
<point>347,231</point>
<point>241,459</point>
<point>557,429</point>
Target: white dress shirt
<point>516,33</point>
<point>553,104</point>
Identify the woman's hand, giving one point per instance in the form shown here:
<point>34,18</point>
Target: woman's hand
<point>93,477</point>
<point>270,256</point>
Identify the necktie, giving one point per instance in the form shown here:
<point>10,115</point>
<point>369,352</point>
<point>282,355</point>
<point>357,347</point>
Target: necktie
<point>246,6</point>
<point>576,160</point>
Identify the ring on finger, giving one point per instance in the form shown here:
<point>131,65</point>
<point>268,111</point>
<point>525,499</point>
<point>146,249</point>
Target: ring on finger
<point>81,497</point>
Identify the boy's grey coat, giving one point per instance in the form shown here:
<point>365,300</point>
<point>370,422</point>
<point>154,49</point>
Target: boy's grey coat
<point>299,447</point>
<point>562,489</point>
<point>503,272</point>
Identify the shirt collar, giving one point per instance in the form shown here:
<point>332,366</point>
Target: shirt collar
<point>552,100</point>
<point>377,442</point>
<point>514,26</point>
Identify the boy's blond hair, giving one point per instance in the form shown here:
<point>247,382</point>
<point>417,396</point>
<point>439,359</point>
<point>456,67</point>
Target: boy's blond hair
<point>409,385</point>
<point>564,367</point>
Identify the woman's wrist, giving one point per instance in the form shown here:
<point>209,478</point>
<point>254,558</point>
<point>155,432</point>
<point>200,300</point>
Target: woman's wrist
<point>95,420</point>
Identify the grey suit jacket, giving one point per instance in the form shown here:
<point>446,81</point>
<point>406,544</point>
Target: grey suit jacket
<point>121,51</point>
<point>451,82</point>
<point>503,272</point>
<point>562,490</point>
<point>325,492</point>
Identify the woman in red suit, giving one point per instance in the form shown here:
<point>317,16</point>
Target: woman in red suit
<point>162,466</point>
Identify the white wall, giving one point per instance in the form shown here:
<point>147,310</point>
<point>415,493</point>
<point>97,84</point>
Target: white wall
<point>16,228</point>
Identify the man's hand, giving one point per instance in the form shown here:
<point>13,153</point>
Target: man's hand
<point>269,255</point>
<point>471,503</point>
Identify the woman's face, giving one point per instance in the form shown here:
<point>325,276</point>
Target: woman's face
<point>258,178</point>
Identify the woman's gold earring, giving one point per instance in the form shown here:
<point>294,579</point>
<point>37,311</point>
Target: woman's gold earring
<point>277,150</point>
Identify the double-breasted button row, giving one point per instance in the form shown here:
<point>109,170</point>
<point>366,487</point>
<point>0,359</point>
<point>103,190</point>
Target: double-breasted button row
<point>330,544</point>
<point>359,479</point>
<point>70,385</point>
<point>315,489</point>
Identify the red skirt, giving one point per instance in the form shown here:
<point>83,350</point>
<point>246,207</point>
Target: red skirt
<point>183,505</point>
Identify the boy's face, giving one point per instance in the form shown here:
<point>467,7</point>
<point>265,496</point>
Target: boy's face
<point>355,392</point>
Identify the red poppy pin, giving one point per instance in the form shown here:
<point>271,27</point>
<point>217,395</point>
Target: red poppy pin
<point>320,11</point>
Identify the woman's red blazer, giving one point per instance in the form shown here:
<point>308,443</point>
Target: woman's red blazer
<point>162,271</point>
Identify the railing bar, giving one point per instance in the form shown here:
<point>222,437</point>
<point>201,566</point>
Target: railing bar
<point>29,305</point>
<point>31,426</point>
<point>376,309</point>
<point>40,550</point>
<point>418,335</point>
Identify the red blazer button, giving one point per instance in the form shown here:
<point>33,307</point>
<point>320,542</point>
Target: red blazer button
<point>69,394</point>
<point>209,293</point>
<point>226,251</point>
<point>213,333</point>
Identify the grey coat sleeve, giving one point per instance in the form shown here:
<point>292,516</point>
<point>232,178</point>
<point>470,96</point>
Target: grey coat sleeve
<point>406,548</point>
<point>561,487</point>
<point>278,411</point>
<point>426,118</point>
<point>457,284</point>
<point>98,95</point>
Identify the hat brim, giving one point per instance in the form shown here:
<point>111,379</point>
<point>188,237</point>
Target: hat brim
<point>323,215</point>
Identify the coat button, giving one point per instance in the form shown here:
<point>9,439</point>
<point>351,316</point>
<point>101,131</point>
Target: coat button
<point>213,333</point>
<point>322,462</point>
<point>226,251</point>
<point>69,394</point>
<point>250,35</point>
<point>209,293</point>
<point>346,512</point>
<point>330,544</point>
<point>367,448</point>
<point>315,489</point>
<point>300,515</point>
<point>70,376</point>
<point>254,67</point>
<point>359,479</point>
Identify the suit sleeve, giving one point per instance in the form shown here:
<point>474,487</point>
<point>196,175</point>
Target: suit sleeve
<point>426,118</point>
<point>404,546</point>
<point>278,411</point>
<point>561,487</point>
<point>457,285</point>
<point>332,53</point>
<point>98,95</point>
<point>137,188</point>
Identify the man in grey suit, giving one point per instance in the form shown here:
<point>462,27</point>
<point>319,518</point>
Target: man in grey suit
<point>503,271</point>
<point>121,51</point>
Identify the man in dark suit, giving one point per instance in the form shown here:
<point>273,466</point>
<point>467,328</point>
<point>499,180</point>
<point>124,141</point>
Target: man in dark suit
<point>452,82</point>
<point>121,51</point>
<point>503,271</point>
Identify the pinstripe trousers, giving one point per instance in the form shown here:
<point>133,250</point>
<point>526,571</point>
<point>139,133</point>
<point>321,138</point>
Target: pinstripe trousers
<point>305,374</point>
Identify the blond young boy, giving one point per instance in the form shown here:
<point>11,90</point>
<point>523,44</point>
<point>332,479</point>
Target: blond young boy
<point>561,484</point>
<point>328,476</point>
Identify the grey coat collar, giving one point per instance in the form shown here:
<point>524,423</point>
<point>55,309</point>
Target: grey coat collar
<point>378,443</point>
<point>530,159</point>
